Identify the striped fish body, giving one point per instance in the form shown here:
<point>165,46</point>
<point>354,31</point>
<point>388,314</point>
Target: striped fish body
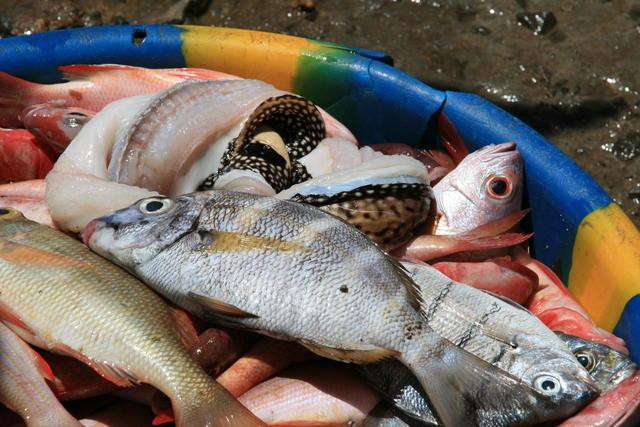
<point>58,295</point>
<point>293,272</point>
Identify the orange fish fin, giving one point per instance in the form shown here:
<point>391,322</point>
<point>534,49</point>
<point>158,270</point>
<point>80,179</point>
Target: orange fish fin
<point>165,416</point>
<point>10,317</point>
<point>117,375</point>
<point>43,367</point>
<point>86,71</point>
<point>18,253</point>
<point>188,333</point>
<point>357,353</point>
<point>220,308</point>
<point>305,424</point>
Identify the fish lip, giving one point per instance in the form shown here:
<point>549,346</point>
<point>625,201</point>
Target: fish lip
<point>623,374</point>
<point>89,230</point>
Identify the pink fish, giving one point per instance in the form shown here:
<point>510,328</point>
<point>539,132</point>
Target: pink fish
<point>55,125</point>
<point>486,237</point>
<point>484,187</point>
<point>313,394</point>
<point>558,309</point>
<point>617,407</point>
<point>499,275</point>
<point>21,158</point>
<point>92,87</point>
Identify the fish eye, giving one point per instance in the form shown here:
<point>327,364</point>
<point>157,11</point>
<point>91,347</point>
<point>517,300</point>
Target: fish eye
<point>155,205</point>
<point>499,187</point>
<point>586,359</point>
<point>547,384</point>
<point>8,213</point>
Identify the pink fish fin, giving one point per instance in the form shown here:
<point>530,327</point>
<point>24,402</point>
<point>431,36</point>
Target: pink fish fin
<point>12,89</point>
<point>31,189</point>
<point>498,226</point>
<point>86,71</point>
<point>305,424</point>
<point>117,375</point>
<point>429,247</point>
<point>45,369</point>
<point>451,140</point>
<point>165,416</point>
<point>199,74</point>
<point>188,333</point>
<point>10,317</point>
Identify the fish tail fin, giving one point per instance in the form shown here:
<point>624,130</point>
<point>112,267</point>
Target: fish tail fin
<point>453,379</point>
<point>204,402</point>
<point>13,91</point>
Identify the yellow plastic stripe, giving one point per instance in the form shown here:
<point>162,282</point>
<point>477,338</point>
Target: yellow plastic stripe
<point>249,54</point>
<point>605,268</point>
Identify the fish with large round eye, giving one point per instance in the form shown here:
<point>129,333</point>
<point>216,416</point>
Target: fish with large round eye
<point>606,366</point>
<point>281,130</point>
<point>486,186</point>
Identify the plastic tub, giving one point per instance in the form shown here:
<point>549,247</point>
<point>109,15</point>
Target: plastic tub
<point>579,231</point>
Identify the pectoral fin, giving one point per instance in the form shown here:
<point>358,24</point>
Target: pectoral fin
<point>220,308</point>
<point>352,354</point>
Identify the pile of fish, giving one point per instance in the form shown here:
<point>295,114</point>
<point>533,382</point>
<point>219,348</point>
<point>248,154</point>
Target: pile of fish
<point>183,245</point>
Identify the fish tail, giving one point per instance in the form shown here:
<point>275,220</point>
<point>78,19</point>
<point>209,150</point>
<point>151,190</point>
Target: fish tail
<point>13,92</point>
<point>206,403</point>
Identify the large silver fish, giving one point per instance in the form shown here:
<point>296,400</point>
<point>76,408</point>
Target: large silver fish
<point>496,330</point>
<point>605,365</point>
<point>294,272</point>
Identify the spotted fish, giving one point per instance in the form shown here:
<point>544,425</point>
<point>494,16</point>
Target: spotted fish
<point>385,197</point>
<point>280,131</point>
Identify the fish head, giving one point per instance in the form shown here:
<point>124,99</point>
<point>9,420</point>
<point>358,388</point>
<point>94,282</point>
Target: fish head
<point>55,122</point>
<point>561,383</point>
<point>135,234</point>
<point>12,221</point>
<point>485,186</point>
<point>606,366</point>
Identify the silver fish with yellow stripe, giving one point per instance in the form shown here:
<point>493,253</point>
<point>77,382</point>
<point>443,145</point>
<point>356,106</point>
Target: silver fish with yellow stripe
<point>293,272</point>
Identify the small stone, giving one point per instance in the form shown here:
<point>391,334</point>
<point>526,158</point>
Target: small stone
<point>119,20</point>
<point>481,30</point>
<point>538,22</point>
<point>92,19</point>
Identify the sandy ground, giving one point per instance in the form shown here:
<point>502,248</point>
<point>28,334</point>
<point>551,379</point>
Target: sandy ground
<point>569,68</point>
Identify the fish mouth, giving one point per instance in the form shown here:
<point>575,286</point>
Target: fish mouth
<point>89,230</point>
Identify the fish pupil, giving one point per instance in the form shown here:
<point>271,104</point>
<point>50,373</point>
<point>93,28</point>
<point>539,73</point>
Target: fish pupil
<point>4,211</point>
<point>499,187</point>
<point>154,206</point>
<point>548,385</point>
<point>584,360</point>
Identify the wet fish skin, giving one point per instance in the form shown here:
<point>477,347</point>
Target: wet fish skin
<point>21,157</point>
<point>294,272</point>
<point>607,366</point>
<point>22,387</point>
<point>55,125</point>
<point>499,332</point>
<point>60,296</point>
<point>484,187</point>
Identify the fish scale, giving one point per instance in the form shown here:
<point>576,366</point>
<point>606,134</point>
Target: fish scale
<point>294,272</point>
<point>73,302</point>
